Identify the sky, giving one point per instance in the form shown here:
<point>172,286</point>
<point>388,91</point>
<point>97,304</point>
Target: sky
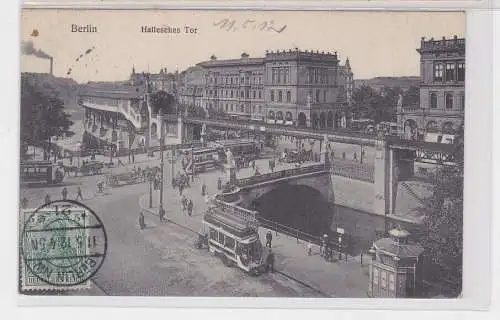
<point>377,43</point>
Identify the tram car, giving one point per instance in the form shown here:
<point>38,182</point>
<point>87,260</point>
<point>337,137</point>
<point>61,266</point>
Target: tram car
<point>35,171</point>
<point>240,148</point>
<point>233,239</point>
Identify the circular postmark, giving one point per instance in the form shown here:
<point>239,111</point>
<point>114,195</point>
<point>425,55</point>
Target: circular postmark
<point>63,243</point>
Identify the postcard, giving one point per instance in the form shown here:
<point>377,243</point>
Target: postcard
<point>242,153</point>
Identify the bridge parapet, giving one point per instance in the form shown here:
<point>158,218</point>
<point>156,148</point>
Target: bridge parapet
<point>245,182</point>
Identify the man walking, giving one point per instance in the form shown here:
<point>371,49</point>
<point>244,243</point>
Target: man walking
<point>190,207</point>
<point>64,193</point>
<point>162,215</point>
<point>269,238</point>
<point>203,189</point>
<point>79,194</point>
<point>219,183</point>
<point>47,198</point>
<point>270,261</point>
<point>142,224</point>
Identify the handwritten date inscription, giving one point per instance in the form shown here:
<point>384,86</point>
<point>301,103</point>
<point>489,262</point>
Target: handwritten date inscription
<point>249,24</point>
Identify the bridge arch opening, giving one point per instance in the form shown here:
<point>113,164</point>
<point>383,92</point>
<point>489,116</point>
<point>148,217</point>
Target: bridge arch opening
<point>322,120</point>
<point>270,115</point>
<point>410,129</point>
<point>431,126</point>
<point>315,121</point>
<point>279,115</point>
<point>297,206</point>
<point>302,119</point>
<point>448,128</point>
<point>154,129</point>
<point>329,121</point>
<point>338,120</point>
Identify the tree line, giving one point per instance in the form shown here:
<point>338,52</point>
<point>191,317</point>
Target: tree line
<point>43,116</point>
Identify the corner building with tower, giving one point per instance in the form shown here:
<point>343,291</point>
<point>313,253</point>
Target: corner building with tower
<point>440,113</point>
<point>302,88</point>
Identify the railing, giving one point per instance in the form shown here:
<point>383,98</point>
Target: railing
<point>240,212</point>
<point>339,134</point>
<point>280,175</point>
<point>289,231</point>
<point>353,170</point>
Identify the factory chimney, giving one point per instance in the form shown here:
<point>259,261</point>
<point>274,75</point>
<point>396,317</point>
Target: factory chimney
<point>51,72</point>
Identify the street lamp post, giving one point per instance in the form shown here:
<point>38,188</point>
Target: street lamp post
<point>162,147</point>
<point>150,178</point>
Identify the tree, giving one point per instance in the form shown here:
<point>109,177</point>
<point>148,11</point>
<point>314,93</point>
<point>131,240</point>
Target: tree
<point>161,100</point>
<point>42,115</point>
<point>444,218</point>
<point>381,105</point>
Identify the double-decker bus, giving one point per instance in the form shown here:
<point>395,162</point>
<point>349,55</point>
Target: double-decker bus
<point>34,171</point>
<point>204,158</point>
<point>240,148</point>
<point>234,239</point>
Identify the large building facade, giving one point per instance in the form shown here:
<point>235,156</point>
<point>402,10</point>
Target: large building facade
<point>442,92</point>
<point>293,87</point>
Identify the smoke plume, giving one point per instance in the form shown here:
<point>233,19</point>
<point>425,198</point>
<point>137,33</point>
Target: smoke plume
<point>29,49</point>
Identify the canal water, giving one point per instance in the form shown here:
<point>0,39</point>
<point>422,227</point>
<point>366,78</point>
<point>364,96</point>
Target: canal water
<point>303,208</point>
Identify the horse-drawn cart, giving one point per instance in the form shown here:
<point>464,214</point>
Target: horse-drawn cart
<point>122,179</point>
<point>92,168</point>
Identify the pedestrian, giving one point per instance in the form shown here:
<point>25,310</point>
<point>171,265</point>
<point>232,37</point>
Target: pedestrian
<point>24,202</point>
<point>79,194</point>
<point>64,193</point>
<point>181,188</point>
<point>203,189</point>
<point>355,156</point>
<point>184,203</point>
<point>270,261</point>
<point>253,165</point>
<point>133,157</point>
<point>322,250</point>
<point>190,207</point>
<point>343,155</point>
<point>120,163</point>
<point>309,249</point>
<point>162,214</point>
<point>269,238</point>
<point>142,224</point>
<point>219,183</point>
<point>47,198</point>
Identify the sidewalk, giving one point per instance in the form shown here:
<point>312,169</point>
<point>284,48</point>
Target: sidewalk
<point>335,279</point>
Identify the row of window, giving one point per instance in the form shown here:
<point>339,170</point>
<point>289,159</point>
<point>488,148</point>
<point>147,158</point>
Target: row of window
<point>317,75</point>
<point>235,80</point>
<point>449,71</point>
<point>280,75</point>
<point>230,107</point>
<point>102,100</point>
<point>235,93</point>
<point>448,101</point>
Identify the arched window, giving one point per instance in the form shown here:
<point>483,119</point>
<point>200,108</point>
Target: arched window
<point>317,95</point>
<point>242,108</point>
<point>288,96</point>
<point>280,96</point>
<point>288,116</point>
<point>270,115</point>
<point>272,95</point>
<point>433,101</point>
<point>449,101</point>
